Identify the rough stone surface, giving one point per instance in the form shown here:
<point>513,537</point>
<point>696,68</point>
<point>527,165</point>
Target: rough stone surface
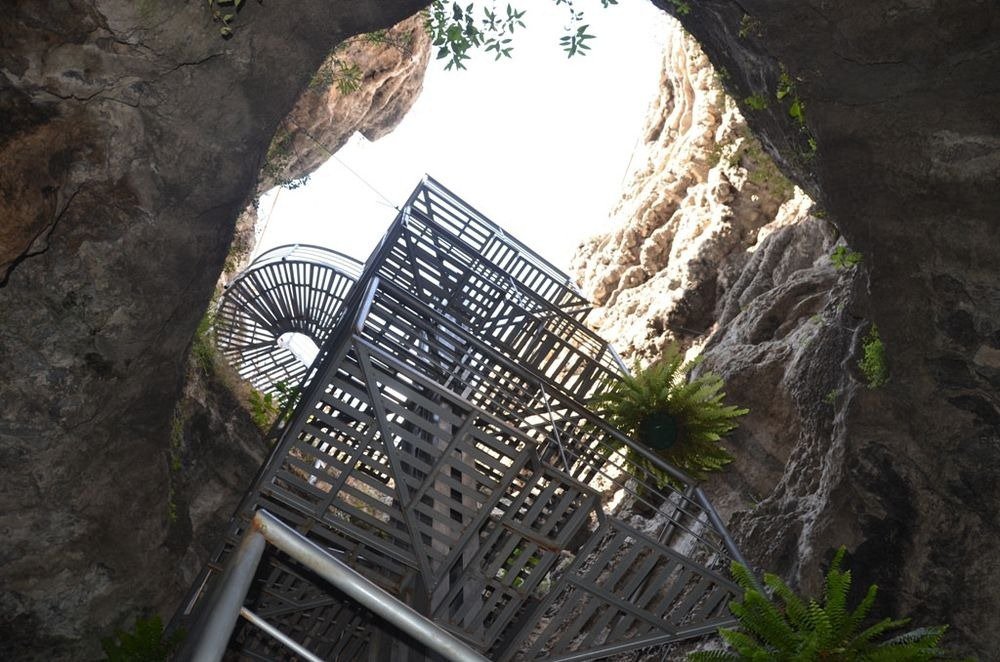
<point>388,73</point>
<point>215,450</point>
<point>779,322</point>
<point>701,190</point>
<point>132,138</point>
<point>903,105</point>
<point>245,236</point>
<point>389,78</point>
<point>904,117</point>
<point>715,246</point>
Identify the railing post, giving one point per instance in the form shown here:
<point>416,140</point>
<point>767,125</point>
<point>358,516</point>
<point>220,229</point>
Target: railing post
<point>215,624</point>
<point>727,539</point>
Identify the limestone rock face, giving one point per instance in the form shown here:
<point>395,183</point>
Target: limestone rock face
<point>699,193</point>
<point>714,245</point>
<point>894,131</point>
<point>366,85</point>
<point>890,117</point>
<point>132,138</point>
<point>779,325</point>
<point>215,449</point>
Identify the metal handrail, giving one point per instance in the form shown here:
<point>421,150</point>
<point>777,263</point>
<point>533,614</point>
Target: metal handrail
<point>211,634</point>
<point>537,260</point>
<point>310,253</point>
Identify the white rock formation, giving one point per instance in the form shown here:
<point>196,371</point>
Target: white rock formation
<point>699,194</point>
<point>387,74</point>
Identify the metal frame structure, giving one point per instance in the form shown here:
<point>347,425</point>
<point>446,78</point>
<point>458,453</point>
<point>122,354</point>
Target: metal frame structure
<point>445,451</point>
<point>210,644</point>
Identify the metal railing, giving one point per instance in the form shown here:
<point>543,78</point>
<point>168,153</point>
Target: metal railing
<point>211,635</point>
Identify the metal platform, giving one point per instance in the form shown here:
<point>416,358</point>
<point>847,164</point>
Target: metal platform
<point>444,450</point>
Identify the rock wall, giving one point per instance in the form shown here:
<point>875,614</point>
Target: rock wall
<point>714,245</point>
<point>889,117</point>
<point>132,138</point>
<point>699,192</point>
<point>366,84</point>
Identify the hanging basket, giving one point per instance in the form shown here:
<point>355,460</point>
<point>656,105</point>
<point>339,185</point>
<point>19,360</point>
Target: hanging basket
<point>658,431</point>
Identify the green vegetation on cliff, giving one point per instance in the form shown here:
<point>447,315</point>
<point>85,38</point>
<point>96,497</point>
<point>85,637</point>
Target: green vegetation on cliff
<point>783,627</point>
<point>680,420</point>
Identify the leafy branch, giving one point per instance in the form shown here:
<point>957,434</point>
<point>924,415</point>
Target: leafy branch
<point>455,31</point>
<point>787,92</point>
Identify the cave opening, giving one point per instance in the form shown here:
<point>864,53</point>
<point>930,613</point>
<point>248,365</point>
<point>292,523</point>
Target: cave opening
<point>301,346</point>
<point>542,142</point>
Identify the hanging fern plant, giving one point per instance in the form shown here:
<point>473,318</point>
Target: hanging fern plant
<point>679,419</point>
<point>794,630</point>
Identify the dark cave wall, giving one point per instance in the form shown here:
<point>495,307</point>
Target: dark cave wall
<point>903,102</point>
<point>132,137</point>
<point>131,140</point>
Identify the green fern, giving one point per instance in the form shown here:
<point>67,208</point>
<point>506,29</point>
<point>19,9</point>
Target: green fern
<point>678,419</point>
<point>873,364</point>
<point>785,628</point>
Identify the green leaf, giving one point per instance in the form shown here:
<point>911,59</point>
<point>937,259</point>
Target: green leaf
<point>795,609</point>
<point>797,110</point>
<point>842,257</point>
<point>837,585</point>
<point>786,86</point>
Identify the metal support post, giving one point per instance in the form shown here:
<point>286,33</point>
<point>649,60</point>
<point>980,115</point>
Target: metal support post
<point>211,636</point>
<point>363,591</point>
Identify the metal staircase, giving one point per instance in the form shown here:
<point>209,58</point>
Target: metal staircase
<point>288,291</point>
<point>443,449</point>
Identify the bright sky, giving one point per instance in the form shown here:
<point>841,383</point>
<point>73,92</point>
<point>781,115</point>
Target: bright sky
<point>538,143</point>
